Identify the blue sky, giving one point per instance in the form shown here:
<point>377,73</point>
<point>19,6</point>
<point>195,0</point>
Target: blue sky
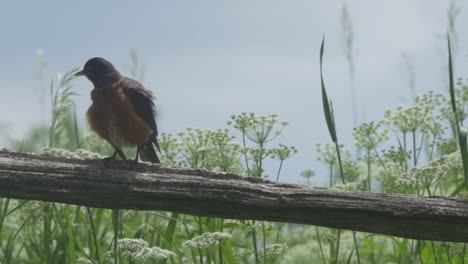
<point>206,60</point>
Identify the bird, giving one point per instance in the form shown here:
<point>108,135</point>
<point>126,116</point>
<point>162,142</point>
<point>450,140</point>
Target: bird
<point>122,111</point>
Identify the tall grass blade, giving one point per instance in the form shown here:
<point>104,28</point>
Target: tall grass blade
<point>330,118</point>
<point>228,254</point>
<point>47,233</point>
<point>462,137</point>
<point>463,149</point>
<point>170,232</point>
<point>93,229</point>
<point>326,103</point>
<point>3,212</point>
<point>115,224</point>
<point>71,237</point>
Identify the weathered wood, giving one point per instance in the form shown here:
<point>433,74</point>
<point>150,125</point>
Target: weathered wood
<point>198,192</point>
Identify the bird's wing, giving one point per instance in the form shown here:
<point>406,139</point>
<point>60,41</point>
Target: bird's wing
<point>143,102</point>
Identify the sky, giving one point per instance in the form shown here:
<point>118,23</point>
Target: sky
<point>207,60</point>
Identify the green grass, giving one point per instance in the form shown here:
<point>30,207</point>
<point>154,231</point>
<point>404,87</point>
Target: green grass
<point>39,232</point>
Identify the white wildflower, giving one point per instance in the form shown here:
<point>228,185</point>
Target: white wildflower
<point>86,154</point>
<point>138,250</point>
<point>243,255</point>
<point>60,153</point>
<point>207,240</point>
<point>272,252</point>
<point>283,152</point>
<point>326,153</point>
<point>349,187</point>
<point>407,179</point>
<point>453,160</point>
<point>413,118</point>
<point>426,175</point>
<point>370,135</point>
<point>456,249</point>
<point>151,255</point>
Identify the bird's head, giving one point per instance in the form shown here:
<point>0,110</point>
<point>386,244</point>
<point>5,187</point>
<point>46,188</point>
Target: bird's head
<point>99,71</point>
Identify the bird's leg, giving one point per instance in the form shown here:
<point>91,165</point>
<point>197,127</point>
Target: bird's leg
<point>114,156</point>
<point>106,160</point>
<point>117,151</point>
<point>121,153</point>
<point>135,161</point>
<point>111,157</point>
<point>137,153</point>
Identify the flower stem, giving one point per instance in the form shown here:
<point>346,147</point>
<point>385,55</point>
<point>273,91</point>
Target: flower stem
<point>279,170</point>
<point>254,240</point>
<point>245,153</point>
<point>93,228</point>
<point>320,244</point>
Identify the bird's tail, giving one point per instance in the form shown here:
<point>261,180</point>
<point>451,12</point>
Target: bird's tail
<point>148,153</point>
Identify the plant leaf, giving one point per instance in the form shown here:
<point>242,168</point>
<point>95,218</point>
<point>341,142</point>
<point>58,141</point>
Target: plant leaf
<point>328,111</point>
<point>462,135</point>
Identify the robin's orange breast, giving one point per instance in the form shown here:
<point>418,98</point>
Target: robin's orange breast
<point>113,117</point>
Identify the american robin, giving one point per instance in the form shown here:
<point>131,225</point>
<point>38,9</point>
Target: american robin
<point>122,111</point>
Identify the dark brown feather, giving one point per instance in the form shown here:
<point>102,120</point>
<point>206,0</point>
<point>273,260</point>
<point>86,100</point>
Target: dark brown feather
<point>143,102</point>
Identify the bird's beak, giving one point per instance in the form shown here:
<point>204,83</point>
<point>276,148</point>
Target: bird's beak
<point>80,73</point>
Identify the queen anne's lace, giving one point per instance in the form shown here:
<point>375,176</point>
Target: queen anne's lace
<point>207,240</point>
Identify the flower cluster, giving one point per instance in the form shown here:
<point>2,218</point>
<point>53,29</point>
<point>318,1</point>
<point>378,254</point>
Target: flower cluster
<point>258,129</point>
<point>388,176</point>
<point>210,149</point>
<point>272,252</point>
<point>307,174</point>
<point>326,153</point>
<point>409,119</point>
<point>60,153</point>
<point>86,154</point>
<point>269,254</point>
<point>351,170</point>
<point>207,240</point>
<point>243,255</point>
<point>425,175</point>
<point>349,187</point>
<point>257,155</point>
<point>138,250</point>
<point>453,160</point>
<point>228,152</point>
<point>92,142</point>
<point>395,155</point>
<point>77,154</point>
<point>408,179</point>
<point>283,152</point>
<point>369,135</point>
<point>447,146</point>
<point>170,148</point>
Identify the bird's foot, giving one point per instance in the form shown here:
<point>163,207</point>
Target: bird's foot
<point>132,163</point>
<point>108,160</point>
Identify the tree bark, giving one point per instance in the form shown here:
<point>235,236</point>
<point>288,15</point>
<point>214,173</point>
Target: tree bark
<point>203,193</point>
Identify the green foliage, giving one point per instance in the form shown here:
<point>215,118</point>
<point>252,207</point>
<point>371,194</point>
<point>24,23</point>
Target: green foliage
<point>462,135</point>
<point>413,150</point>
<point>55,233</point>
<point>62,105</point>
